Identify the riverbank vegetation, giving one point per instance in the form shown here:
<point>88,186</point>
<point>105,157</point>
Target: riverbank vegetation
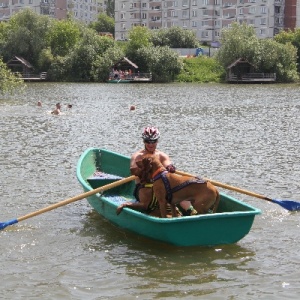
<point>71,51</point>
<point>8,82</point>
<point>201,69</point>
<point>266,55</point>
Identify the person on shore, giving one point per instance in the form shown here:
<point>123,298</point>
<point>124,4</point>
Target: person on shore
<point>56,111</point>
<point>143,193</point>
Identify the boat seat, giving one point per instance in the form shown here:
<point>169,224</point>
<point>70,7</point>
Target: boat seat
<point>100,178</point>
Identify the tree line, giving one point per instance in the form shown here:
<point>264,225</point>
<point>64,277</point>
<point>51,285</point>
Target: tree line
<point>72,51</point>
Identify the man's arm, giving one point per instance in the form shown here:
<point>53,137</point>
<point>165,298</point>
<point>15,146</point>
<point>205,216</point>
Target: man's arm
<point>134,169</point>
<point>164,159</point>
<point>166,162</point>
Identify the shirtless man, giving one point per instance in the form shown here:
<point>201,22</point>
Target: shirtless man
<point>143,192</point>
<point>56,111</point>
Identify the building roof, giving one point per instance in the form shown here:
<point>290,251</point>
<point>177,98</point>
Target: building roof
<point>125,62</point>
<point>239,61</point>
<point>16,60</point>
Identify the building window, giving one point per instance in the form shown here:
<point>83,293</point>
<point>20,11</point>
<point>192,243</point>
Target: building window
<point>263,9</point>
<point>204,34</point>
<point>174,13</point>
<point>262,31</point>
<point>194,13</point>
<point>252,10</point>
<point>194,24</point>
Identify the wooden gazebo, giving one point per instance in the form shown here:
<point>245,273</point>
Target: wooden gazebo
<point>125,64</point>
<point>243,71</point>
<point>20,65</point>
<point>24,69</point>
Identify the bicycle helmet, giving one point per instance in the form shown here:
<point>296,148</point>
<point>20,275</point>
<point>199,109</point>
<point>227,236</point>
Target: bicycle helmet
<point>150,134</point>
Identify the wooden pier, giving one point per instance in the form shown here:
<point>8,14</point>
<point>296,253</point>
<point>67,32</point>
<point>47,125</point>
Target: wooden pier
<point>252,78</point>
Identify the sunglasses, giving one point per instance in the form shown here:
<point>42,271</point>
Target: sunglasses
<point>150,142</point>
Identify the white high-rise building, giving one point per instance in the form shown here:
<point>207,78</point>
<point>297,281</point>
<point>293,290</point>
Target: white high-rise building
<point>10,7</point>
<point>84,10</point>
<point>205,17</point>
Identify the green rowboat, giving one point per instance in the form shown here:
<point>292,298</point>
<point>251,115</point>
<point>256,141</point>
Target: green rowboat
<point>99,167</point>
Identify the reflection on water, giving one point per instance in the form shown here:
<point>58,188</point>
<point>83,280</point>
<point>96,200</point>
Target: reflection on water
<point>242,135</point>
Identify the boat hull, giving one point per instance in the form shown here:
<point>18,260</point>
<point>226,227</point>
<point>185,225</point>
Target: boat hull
<point>230,224</point>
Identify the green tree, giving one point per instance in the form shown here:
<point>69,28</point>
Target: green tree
<point>175,37</point>
<point>25,36</point>
<point>138,37</point>
<point>162,62</point>
<point>102,65</point>
<point>110,8</point>
<point>104,23</point>
<point>63,36</point>
<point>8,82</point>
<point>239,41</point>
<point>290,36</point>
<point>81,60</point>
<point>280,59</point>
<point>268,56</point>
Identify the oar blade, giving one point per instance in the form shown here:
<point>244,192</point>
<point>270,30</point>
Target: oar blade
<point>5,224</point>
<point>288,204</point>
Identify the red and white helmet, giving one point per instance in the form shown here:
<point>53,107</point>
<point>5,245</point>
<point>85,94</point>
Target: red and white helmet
<point>150,134</point>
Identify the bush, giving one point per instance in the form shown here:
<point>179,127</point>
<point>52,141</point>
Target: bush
<point>201,69</point>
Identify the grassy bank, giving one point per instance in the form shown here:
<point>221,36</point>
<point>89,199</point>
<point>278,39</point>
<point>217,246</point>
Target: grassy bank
<point>201,69</point>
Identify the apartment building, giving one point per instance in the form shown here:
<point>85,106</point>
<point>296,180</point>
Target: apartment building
<point>292,14</point>
<point>54,8</point>
<point>84,10</point>
<point>10,7</point>
<point>205,17</point>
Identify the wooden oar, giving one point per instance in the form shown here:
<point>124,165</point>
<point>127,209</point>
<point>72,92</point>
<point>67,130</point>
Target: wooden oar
<point>287,204</point>
<point>67,201</point>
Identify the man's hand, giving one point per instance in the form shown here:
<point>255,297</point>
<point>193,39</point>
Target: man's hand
<point>171,168</point>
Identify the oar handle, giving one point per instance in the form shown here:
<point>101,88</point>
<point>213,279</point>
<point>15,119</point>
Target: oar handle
<point>228,187</point>
<point>76,198</point>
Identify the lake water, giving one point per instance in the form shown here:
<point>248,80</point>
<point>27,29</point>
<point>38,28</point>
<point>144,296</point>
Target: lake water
<point>243,135</point>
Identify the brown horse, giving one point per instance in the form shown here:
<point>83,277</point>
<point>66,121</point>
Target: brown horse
<point>172,188</point>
